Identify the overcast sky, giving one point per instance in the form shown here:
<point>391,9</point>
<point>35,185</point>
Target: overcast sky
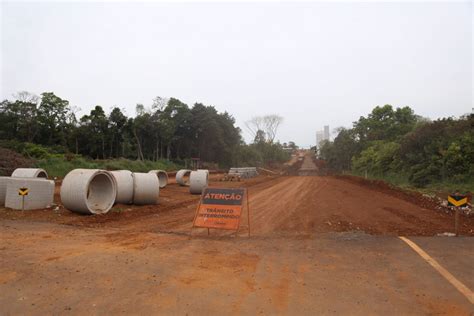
<point>314,64</point>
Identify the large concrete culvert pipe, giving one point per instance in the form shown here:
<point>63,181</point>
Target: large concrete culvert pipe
<point>29,173</point>
<point>198,181</point>
<point>146,188</point>
<point>183,177</point>
<point>124,181</point>
<point>40,193</point>
<point>89,191</point>
<point>162,177</point>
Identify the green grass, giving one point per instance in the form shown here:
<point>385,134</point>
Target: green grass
<point>401,180</point>
<point>59,166</point>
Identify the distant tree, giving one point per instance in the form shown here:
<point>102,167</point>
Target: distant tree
<point>292,145</point>
<point>159,103</point>
<point>260,137</point>
<point>269,124</point>
<point>383,123</point>
<point>339,153</point>
<point>53,119</point>
<point>117,122</point>
<point>254,126</point>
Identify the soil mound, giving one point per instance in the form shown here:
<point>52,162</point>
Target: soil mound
<point>10,160</point>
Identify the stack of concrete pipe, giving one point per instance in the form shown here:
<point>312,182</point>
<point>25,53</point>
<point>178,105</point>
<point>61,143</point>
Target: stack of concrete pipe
<point>34,180</point>
<point>247,172</point>
<point>93,191</point>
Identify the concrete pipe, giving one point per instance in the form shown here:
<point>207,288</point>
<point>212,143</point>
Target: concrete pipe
<point>205,170</point>
<point>3,189</point>
<point>29,173</point>
<point>40,193</point>
<point>124,181</point>
<point>183,177</point>
<point>162,177</point>
<point>146,188</point>
<point>89,191</point>
<point>198,181</point>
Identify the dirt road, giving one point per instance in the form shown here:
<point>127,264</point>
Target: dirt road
<point>319,245</point>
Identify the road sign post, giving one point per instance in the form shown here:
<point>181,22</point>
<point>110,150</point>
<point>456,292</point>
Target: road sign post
<point>23,192</point>
<point>221,208</point>
<point>457,200</point>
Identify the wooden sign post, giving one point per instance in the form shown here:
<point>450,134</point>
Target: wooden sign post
<point>457,200</point>
<point>221,208</point>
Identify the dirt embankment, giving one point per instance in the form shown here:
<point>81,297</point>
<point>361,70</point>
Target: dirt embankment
<point>407,195</point>
<point>10,160</point>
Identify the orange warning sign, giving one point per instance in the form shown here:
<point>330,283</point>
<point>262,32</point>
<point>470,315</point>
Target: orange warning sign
<point>220,208</point>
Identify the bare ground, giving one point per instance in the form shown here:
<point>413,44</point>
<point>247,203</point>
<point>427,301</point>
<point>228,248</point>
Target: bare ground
<point>319,245</point>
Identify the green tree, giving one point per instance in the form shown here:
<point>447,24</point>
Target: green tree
<point>53,119</point>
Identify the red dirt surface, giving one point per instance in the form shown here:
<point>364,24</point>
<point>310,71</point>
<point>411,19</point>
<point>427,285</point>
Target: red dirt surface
<point>287,205</point>
<point>309,254</point>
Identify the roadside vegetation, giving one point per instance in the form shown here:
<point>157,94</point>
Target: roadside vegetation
<point>164,135</point>
<point>405,149</point>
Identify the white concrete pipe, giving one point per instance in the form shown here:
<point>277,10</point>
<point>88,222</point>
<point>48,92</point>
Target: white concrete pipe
<point>124,181</point>
<point>198,181</point>
<point>180,177</point>
<point>146,188</point>
<point>3,189</point>
<point>206,170</point>
<point>29,173</point>
<point>40,193</point>
<point>162,177</point>
<point>89,191</point>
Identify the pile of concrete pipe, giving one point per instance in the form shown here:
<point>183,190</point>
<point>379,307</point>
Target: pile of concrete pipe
<point>195,180</point>
<point>26,189</point>
<point>247,172</point>
<point>93,191</point>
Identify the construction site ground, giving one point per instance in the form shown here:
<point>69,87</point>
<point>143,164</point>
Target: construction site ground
<point>318,245</point>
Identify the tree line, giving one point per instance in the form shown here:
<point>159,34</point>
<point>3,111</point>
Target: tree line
<point>397,143</point>
<point>166,129</point>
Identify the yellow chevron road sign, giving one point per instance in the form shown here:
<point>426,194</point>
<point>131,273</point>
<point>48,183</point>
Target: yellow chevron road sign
<point>457,200</point>
<point>23,191</point>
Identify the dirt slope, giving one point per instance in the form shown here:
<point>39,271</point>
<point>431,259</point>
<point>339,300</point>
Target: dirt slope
<point>302,205</point>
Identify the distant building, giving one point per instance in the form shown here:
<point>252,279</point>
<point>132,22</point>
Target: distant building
<point>326,132</point>
<point>321,136</point>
